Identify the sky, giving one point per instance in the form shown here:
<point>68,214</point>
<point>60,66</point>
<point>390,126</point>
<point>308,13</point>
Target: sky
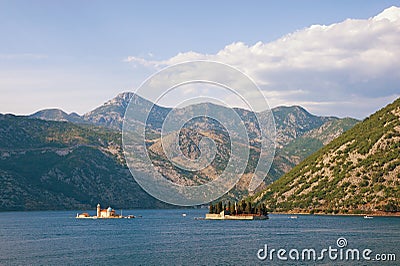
<point>331,57</point>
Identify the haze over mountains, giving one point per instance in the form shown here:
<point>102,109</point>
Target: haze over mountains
<point>54,160</point>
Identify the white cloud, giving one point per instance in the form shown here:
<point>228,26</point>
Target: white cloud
<point>351,60</point>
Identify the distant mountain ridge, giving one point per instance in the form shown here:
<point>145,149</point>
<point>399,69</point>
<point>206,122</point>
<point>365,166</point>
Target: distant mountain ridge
<point>57,115</point>
<point>291,121</point>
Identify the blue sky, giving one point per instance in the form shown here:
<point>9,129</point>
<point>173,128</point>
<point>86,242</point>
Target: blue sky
<point>75,55</point>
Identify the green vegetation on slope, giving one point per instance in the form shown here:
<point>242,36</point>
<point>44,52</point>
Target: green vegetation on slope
<point>57,165</point>
<point>359,172</point>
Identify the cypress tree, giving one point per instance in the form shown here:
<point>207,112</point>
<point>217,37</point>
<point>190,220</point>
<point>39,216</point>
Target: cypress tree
<point>248,208</point>
<point>219,207</point>
<point>264,209</point>
<point>243,206</point>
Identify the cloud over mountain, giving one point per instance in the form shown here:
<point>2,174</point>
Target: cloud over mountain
<point>351,67</point>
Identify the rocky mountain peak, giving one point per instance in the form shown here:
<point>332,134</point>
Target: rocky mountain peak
<point>121,99</point>
<point>294,121</point>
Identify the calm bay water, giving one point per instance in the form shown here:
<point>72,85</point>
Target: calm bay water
<point>165,237</point>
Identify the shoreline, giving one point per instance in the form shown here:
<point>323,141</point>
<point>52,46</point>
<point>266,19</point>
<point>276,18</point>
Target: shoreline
<point>397,214</point>
<point>375,214</point>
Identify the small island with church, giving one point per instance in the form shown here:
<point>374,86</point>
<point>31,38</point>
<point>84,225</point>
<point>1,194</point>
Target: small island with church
<point>242,211</point>
<point>108,213</point>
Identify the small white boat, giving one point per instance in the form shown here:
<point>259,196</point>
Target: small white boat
<point>293,217</point>
<point>184,214</point>
<point>368,217</point>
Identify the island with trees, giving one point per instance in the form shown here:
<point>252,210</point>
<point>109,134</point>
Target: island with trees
<point>243,210</point>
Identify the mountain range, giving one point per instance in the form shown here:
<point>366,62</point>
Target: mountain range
<point>55,160</point>
<point>292,123</point>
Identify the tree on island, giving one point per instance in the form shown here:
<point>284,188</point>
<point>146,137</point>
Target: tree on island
<point>220,208</point>
<point>264,210</point>
<point>248,208</point>
<point>243,205</point>
<point>242,208</point>
<point>231,208</point>
<point>211,208</point>
<point>216,209</point>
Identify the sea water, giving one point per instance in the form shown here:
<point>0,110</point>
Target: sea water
<point>167,237</point>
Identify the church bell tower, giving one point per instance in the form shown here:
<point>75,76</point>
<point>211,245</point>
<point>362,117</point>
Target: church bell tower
<point>98,210</point>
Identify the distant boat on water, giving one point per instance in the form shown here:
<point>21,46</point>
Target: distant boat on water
<point>368,217</point>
